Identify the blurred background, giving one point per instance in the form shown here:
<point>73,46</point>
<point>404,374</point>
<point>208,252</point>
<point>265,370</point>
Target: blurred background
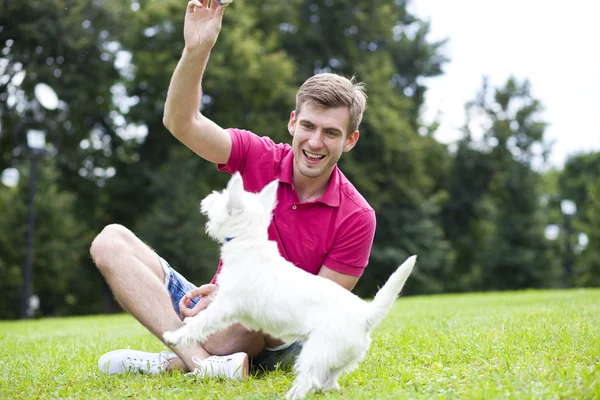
<point>478,150</point>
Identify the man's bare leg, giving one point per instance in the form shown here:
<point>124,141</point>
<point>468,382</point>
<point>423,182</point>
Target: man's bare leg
<point>136,278</point>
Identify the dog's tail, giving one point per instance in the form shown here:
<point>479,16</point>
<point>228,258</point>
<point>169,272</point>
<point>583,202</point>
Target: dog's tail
<point>385,297</point>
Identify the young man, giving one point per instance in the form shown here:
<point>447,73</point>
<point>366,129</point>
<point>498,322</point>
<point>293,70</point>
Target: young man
<point>321,223</point>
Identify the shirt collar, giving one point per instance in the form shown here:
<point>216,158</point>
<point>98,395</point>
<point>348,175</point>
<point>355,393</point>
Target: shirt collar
<point>331,197</point>
<point>287,168</point>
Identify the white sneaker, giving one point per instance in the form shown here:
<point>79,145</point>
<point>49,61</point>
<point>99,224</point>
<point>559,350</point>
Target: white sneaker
<point>234,366</point>
<point>123,361</point>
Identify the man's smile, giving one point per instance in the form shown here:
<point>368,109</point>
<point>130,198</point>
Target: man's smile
<point>312,157</point>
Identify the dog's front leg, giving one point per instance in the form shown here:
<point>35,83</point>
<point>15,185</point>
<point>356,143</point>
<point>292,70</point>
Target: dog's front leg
<point>180,337</point>
<point>198,328</point>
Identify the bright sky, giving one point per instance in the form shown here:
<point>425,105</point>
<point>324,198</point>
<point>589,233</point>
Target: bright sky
<point>554,44</point>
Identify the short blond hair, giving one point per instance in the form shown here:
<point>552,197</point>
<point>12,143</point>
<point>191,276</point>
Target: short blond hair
<point>332,91</point>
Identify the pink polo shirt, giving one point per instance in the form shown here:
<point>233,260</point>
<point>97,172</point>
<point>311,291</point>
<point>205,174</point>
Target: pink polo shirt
<point>336,230</point>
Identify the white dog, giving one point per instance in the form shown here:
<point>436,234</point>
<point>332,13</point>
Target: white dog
<point>261,290</point>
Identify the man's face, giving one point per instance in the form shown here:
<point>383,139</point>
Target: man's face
<point>319,138</point>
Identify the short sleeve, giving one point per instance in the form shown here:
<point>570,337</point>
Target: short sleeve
<point>352,246</point>
<point>246,149</point>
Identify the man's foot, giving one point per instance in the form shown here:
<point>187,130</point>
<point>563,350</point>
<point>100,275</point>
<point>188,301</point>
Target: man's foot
<point>123,361</point>
<point>234,366</point>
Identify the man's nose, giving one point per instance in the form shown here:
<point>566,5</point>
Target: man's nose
<point>315,139</point>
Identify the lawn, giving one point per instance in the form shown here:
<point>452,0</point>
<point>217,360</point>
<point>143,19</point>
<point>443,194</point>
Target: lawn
<point>521,345</point>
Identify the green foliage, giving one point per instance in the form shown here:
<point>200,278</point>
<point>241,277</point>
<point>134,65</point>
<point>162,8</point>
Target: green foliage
<point>243,90</point>
<point>173,226</point>
<point>579,176</point>
<point>395,168</point>
<point>474,213</point>
<point>494,215</point>
<point>59,246</point>
<point>467,216</point>
<point>67,47</point>
<point>580,182</point>
<point>587,270</point>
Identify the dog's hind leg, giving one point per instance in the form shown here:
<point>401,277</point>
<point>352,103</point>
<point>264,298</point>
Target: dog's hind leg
<point>316,368</point>
<point>303,385</point>
<point>322,361</point>
<point>331,382</point>
<point>305,382</point>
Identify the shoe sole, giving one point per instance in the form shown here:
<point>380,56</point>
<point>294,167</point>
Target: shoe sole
<point>245,368</point>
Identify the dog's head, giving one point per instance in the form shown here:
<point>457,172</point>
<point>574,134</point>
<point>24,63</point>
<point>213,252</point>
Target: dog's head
<point>235,213</point>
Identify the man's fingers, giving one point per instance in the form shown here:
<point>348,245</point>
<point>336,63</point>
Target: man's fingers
<point>184,307</point>
<point>188,312</point>
<point>191,6</point>
<point>202,304</point>
<point>184,303</point>
<point>221,9</point>
<point>204,290</point>
<point>214,5</point>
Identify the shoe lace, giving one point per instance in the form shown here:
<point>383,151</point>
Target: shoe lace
<point>145,364</point>
<point>211,366</point>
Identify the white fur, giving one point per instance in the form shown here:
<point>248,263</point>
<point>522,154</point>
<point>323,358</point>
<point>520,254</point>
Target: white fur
<point>261,290</point>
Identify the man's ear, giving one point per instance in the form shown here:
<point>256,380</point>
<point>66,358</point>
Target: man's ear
<point>268,196</point>
<point>235,190</point>
<point>351,141</point>
<point>292,123</point>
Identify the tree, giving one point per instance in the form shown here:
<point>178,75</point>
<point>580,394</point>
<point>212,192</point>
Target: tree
<point>393,166</point>
<point>173,225</point>
<point>579,182</point>
<point>74,47</point>
<point>515,252</point>
<point>587,271</point>
<point>59,247</point>
<point>69,48</point>
<point>239,88</point>
<point>467,216</point>
<point>263,54</point>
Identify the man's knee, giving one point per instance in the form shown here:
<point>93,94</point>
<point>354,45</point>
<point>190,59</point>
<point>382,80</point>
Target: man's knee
<point>109,243</point>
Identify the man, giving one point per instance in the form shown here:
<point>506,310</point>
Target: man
<point>321,223</point>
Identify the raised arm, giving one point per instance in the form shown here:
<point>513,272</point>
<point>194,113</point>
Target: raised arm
<point>182,115</point>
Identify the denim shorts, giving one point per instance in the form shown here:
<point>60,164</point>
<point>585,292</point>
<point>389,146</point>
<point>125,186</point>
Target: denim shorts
<point>266,360</point>
<point>177,285</point>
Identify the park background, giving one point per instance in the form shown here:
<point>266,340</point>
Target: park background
<point>482,210</point>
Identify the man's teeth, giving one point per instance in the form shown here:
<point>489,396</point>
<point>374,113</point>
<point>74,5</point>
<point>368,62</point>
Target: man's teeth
<point>313,156</point>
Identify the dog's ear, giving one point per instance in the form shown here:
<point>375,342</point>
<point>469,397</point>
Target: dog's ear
<point>207,203</point>
<point>235,189</point>
<point>268,196</point>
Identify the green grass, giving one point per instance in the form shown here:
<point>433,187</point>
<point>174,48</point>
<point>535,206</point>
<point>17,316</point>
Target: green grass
<point>514,345</point>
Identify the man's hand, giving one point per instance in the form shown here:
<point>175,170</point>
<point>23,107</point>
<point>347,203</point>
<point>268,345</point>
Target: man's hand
<point>202,24</point>
<point>182,115</point>
<point>206,291</point>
